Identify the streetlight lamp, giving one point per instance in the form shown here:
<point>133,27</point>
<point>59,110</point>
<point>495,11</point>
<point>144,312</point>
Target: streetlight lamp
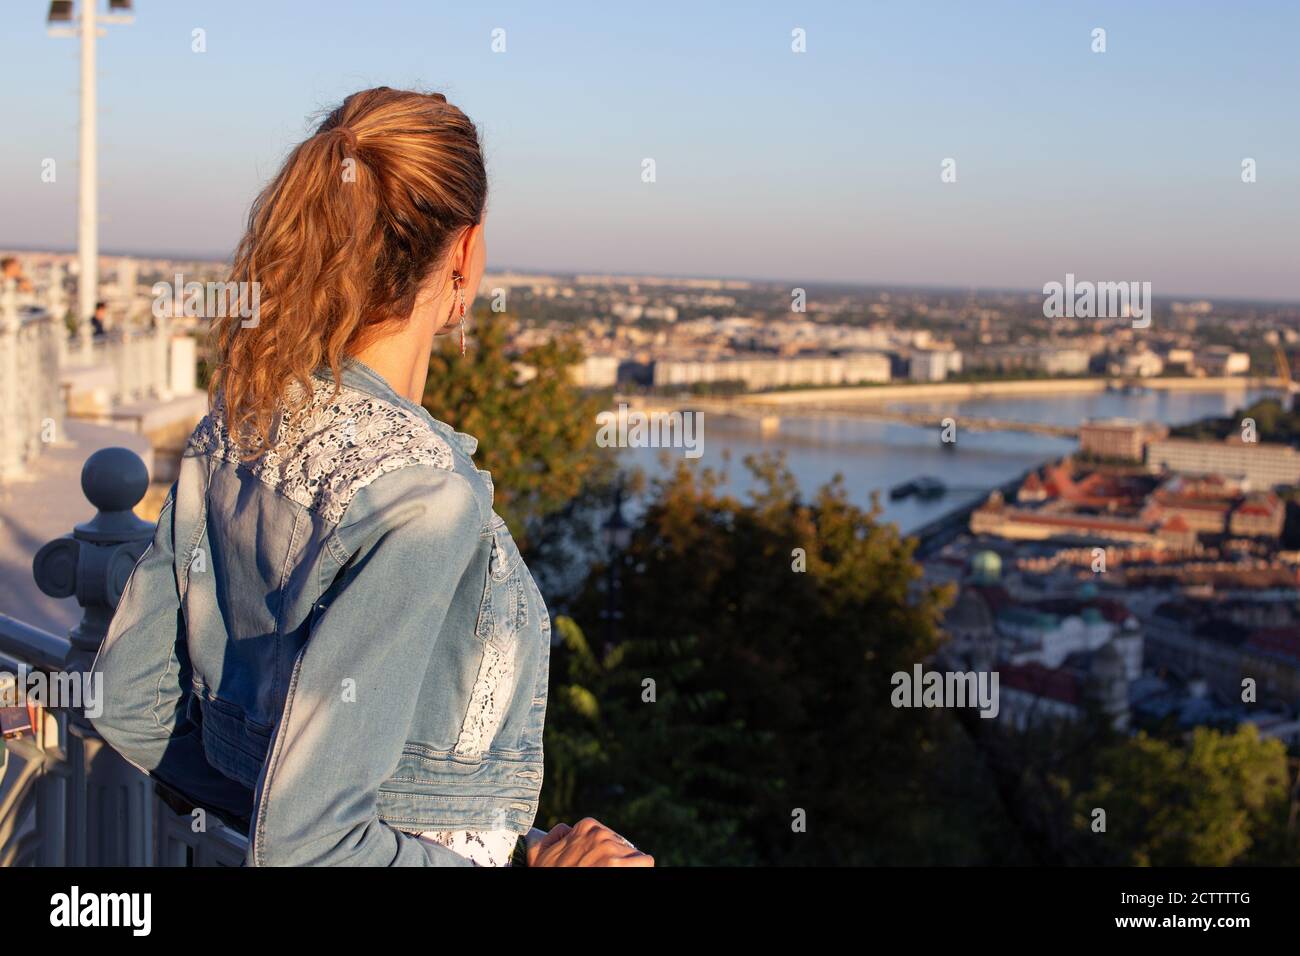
<point>617,535</point>
<point>86,27</point>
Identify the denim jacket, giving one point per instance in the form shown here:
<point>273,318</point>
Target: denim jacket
<point>337,642</point>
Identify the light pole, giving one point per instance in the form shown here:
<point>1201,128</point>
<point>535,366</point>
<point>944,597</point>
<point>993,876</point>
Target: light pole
<point>87,28</point>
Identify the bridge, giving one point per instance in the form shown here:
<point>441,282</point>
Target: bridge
<point>770,422</point>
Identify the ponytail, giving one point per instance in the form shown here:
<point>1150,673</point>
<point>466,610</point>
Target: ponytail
<point>339,244</point>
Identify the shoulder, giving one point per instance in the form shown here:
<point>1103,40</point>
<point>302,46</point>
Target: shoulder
<point>331,445</point>
<point>431,512</point>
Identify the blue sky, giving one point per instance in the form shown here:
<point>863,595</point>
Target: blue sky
<point>817,166</point>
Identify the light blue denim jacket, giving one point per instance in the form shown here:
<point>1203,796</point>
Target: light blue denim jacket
<point>338,642</point>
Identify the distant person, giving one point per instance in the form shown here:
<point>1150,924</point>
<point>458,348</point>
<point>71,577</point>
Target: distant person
<point>357,673</point>
<point>11,268</point>
<point>98,320</point>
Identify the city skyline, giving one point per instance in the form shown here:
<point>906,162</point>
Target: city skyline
<point>844,284</point>
<point>771,165</point>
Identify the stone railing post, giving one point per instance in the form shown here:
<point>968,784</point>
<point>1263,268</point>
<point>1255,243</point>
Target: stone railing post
<point>56,302</point>
<point>31,403</point>
<point>53,341</point>
<point>111,813</point>
<point>31,388</point>
<point>94,562</point>
<point>11,437</point>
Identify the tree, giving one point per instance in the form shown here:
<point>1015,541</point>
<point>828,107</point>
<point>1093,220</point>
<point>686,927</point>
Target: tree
<point>772,628</point>
<point>1205,802</point>
<point>638,752</point>
<point>536,429</point>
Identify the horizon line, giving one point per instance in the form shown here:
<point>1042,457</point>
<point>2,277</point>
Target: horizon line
<point>850,283</point>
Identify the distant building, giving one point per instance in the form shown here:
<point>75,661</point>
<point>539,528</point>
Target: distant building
<point>595,371</point>
<point>1184,640</point>
<point>759,373</point>
<point>1047,359</point>
<point>1202,505</point>
<point>1184,359</point>
<point>1221,360</point>
<point>996,517</point>
<point>1259,516</point>
<point>1264,464</point>
<point>664,313</point>
<point>1118,438</point>
<point>933,365</point>
<point>1033,695</point>
<point>1176,534</point>
<point>1167,513</point>
<point>1053,655</point>
<point>1140,364</point>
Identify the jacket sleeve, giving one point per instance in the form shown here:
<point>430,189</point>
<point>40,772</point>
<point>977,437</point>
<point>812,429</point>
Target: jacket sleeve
<point>140,670</point>
<point>355,685</point>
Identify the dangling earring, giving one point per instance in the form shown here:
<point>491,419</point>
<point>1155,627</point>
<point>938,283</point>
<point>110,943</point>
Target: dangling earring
<point>456,280</point>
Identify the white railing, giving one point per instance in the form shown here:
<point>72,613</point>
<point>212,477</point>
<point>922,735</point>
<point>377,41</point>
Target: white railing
<point>66,798</point>
<point>31,404</point>
<point>139,358</point>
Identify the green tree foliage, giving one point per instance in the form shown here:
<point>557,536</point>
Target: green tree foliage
<point>1208,798</point>
<point>1207,801</point>
<point>643,757</point>
<point>536,429</point>
<point>1273,423</point>
<point>773,687</point>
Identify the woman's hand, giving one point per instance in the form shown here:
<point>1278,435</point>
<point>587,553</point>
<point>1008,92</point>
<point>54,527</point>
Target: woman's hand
<point>588,843</point>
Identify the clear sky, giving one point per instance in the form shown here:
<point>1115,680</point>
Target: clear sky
<point>1123,165</point>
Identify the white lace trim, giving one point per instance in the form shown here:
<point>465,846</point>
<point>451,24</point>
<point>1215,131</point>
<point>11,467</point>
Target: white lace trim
<point>482,847</point>
<point>332,446</point>
<point>488,701</point>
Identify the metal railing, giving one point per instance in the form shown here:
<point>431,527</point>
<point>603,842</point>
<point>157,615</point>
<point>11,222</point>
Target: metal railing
<point>66,798</point>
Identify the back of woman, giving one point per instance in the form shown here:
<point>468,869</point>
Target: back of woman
<point>333,640</point>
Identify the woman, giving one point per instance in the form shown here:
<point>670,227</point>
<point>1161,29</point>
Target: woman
<point>332,639</point>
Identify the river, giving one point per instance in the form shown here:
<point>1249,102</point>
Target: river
<point>873,456</point>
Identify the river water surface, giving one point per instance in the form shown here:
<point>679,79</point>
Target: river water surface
<point>874,456</point>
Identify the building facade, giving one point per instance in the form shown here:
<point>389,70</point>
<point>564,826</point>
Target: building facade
<point>1263,464</point>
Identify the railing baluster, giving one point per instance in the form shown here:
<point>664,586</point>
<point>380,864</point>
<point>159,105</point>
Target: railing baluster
<point>11,460</point>
<point>112,803</point>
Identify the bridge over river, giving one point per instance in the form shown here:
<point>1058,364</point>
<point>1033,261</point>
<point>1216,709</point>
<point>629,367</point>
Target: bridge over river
<point>770,421</point>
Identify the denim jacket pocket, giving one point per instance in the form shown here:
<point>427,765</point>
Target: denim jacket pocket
<point>230,737</point>
<point>503,614</point>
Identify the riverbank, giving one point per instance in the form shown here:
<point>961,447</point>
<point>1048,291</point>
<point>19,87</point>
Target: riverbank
<point>874,394</point>
<point>933,535</point>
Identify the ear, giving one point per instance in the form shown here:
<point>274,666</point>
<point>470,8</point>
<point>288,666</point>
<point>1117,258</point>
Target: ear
<point>465,248</point>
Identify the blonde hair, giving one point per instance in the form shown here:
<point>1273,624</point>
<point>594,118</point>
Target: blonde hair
<point>340,249</point>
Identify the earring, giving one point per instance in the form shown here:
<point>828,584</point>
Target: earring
<point>456,280</point>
